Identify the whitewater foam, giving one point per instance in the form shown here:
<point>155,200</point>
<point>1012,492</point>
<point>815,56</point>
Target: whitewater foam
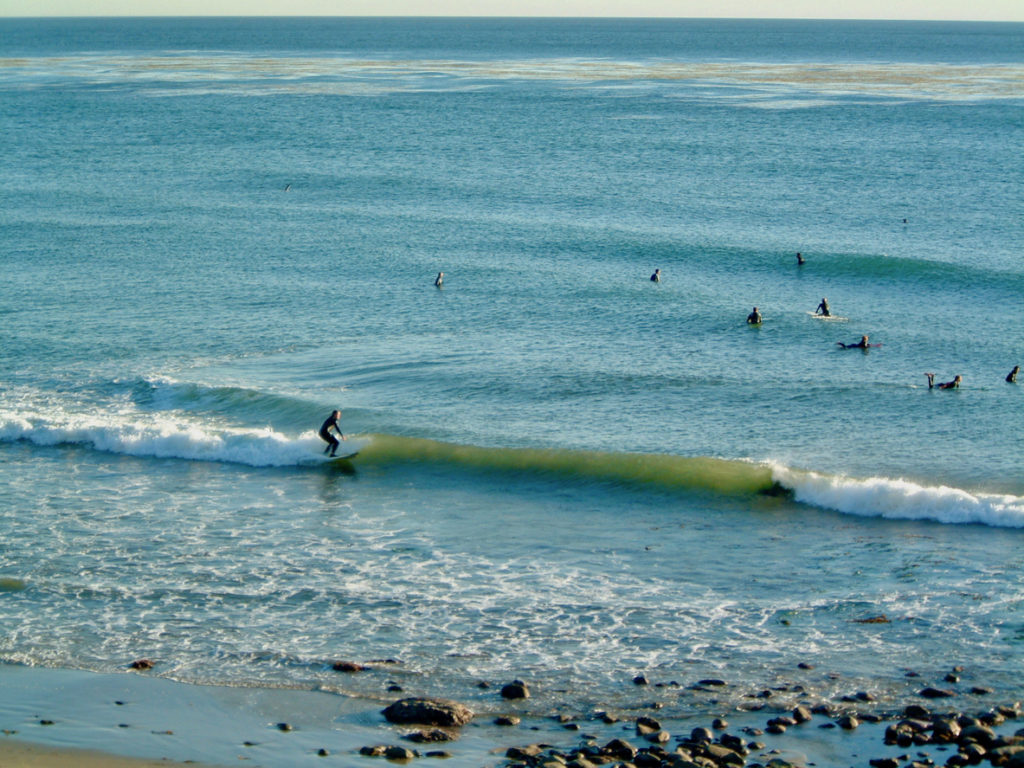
<point>900,499</point>
<point>162,436</point>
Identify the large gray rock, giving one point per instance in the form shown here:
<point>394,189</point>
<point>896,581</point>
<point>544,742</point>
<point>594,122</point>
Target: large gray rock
<point>428,712</point>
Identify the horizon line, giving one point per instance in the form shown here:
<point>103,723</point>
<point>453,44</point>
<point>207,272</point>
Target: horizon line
<point>496,17</point>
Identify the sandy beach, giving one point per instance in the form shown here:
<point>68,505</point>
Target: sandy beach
<point>57,718</point>
<point>15,754</point>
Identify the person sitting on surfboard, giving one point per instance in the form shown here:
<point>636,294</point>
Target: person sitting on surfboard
<point>325,432</point>
<point>799,260</point>
<point>754,318</point>
<point>823,309</point>
<point>862,344</point>
<point>439,280</point>
<point>656,277</point>
<point>1011,377</point>
<point>954,384</point>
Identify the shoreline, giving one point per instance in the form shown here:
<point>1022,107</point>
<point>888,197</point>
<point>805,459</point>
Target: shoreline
<point>23,754</point>
<point>58,718</point>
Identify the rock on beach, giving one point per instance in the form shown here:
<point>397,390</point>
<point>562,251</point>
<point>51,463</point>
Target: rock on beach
<point>439,712</point>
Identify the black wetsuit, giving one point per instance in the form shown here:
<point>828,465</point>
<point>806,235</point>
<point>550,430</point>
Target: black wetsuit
<point>754,318</point>
<point>325,433</point>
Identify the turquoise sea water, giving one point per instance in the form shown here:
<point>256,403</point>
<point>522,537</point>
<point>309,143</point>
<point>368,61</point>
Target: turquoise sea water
<point>216,231</point>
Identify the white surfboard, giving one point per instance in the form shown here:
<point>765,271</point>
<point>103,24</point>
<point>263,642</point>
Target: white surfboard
<point>831,318</point>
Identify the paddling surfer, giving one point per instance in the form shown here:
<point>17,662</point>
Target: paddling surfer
<point>325,432</point>
<point>862,344</point>
<point>954,384</point>
<point>823,309</point>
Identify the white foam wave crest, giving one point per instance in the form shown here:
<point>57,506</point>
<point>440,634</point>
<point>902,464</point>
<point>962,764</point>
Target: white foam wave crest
<point>163,437</point>
<point>900,499</point>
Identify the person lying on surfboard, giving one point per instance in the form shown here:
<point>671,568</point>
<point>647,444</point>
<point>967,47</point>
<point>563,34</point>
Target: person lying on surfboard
<point>862,344</point>
<point>325,432</point>
<point>823,309</point>
<point>954,384</point>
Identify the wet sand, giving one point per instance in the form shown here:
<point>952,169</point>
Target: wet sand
<point>14,754</point>
<point>54,718</point>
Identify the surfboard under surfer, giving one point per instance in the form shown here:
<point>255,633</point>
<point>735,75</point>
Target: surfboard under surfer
<point>325,432</point>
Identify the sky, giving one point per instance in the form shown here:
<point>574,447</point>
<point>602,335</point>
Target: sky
<point>966,10</point>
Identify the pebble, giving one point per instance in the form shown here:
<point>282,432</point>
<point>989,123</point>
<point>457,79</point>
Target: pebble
<point>400,753</point>
<point>848,722</point>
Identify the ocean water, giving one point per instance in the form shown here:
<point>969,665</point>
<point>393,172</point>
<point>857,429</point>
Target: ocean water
<point>216,231</point>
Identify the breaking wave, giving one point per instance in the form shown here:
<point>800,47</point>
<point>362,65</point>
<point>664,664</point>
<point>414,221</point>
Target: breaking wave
<point>184,436</point>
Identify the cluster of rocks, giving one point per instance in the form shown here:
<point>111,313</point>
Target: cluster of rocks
<point>974,737</point>
<point>437,720</point>
<point>701,749</point>
<point>955,737</point>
